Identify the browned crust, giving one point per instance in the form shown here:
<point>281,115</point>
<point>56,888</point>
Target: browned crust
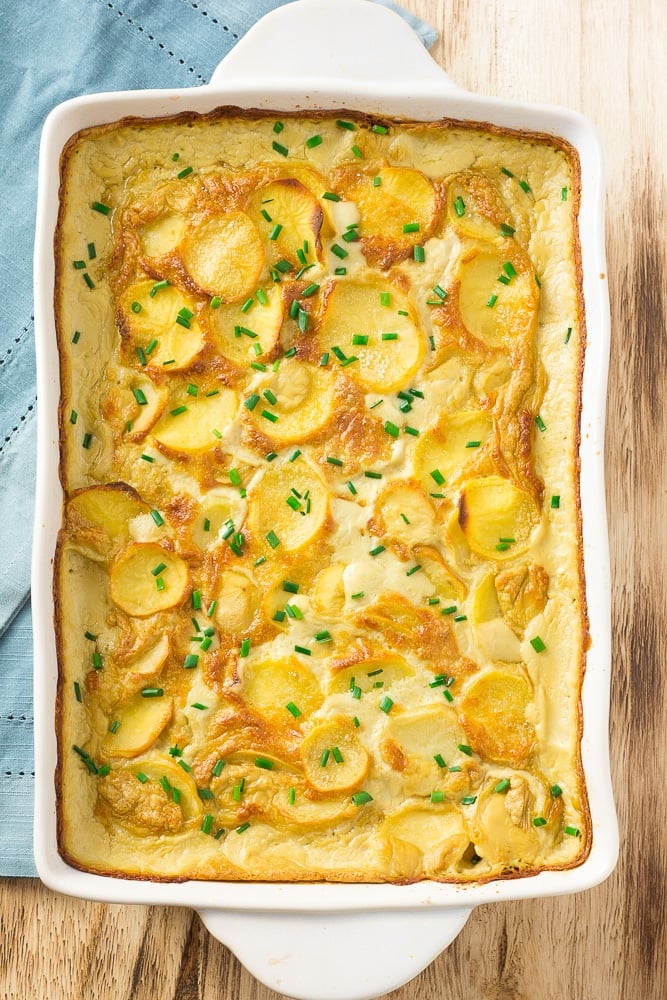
<point>183,118</point>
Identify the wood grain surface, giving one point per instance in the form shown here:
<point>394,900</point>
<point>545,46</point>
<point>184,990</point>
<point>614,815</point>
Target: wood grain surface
<point>607,59</point>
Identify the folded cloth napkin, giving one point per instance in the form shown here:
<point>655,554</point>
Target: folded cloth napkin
<point>52,52</point>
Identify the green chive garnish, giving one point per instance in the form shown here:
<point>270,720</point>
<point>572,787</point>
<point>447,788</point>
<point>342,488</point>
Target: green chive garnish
<point>377,550</point>
<point>537,644</point>
<point>98,206</point>
<point>292,709</point>
<point>502,785</point>
<point>361,798</point>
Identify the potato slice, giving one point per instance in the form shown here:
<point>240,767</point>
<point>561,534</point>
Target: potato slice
<point>270,685</point>
<point>295,220</point>
<point>238,600</point>
<point>139,588</point>
<point>306,813</point>
<point>474,206</point>
<point>151,659</point>
<point>496,517</point>
<point>426,731</point>
<point>501,829</point>
<point>325,771</point>
<point>216,509</point>
<point>494,715</point>
<point>446,449</point>
<point>437,830</point>
<point>269,511</point>
<point>491,310</point>
<point>198,427</point>
<point>522,593</point>
<point>237,334</point>
<point>145,402</point>
<point>384,670</point>
<point>144,318</point>
<point>355,307</point>
<point>403,197</point>
<point>137,725</point>
<point>404,512</point>
<point>305,397</point>
<point>108,508</point>
<point>162,235</point>
<point>448,587</point>
<point>328,593</point>
<point>164,772</point>
<point>224,256</point>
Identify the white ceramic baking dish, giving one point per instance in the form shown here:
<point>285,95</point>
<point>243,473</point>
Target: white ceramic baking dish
<point>303,940</point>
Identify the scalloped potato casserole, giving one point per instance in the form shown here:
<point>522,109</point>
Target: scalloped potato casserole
<point>319,585</point>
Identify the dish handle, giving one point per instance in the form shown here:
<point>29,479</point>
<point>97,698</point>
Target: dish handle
<point>336,956</point>
<point>330,41</point>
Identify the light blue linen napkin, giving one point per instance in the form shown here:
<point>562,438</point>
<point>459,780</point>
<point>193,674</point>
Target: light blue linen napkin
<point>51,52</point>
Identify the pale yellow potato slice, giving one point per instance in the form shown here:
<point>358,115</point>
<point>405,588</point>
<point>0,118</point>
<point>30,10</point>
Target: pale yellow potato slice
<point>215,510</point>
<point>323,770</point>
<point>238,600</point>
<point>150,660</point>
<point>426,731</point>
<point>139,589</point>
<point>305,397</point>
<point>446,449</point>
<point>494,715</point>
<point>437,830</point>
<point>384,670</point>
<point>146,403</point>
<point>162,235</point>
<point>260,322</point>
<point>306,813</point>
<point>270,685</point>
<point>501,828</point>
<point>494,312</point>
<point>448,586</point>
<point>137,726</point>
<point>404,512</point>
<point>474,206</point>
<point>485,605</point>
<point>403,197</point>
<point>224,256</point>
<point>295,220</point>
<point>162,770</point>
<point>496,517</point>
<point>109,508</point>
<point>269,512</point>
<point>354,307</point>
<point>199,426</point>
<point>328,593</point>
<point>145,318</point>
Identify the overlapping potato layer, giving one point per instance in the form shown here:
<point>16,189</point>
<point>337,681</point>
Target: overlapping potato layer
<point>315,524</point>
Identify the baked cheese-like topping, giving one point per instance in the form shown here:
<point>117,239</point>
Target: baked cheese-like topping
<point>319,587</point>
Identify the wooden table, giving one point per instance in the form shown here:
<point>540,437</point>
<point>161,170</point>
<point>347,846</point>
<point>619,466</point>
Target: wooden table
<point>605,58</point>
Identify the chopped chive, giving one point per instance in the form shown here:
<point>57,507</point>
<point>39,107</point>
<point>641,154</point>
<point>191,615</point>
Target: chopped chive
<point>185,172</point>
<point>360,338</point>
<point>448,694</point>
<point>555,501</point>
<point>391,429</point>
<point>157,287</point>
<point>357,152</point>
<point>152,692</point>
<point>352,488</point>
<point>418,253</point>
<point>234,477</point>
<point>292,709</point>
<point>243,827</point>
<point>386,705</point>
<point>140,397</point>
<point>460,618</point>
<point>75,337</point>
<point>215,302</point>
<point>275,233</point>
<point>273,539</point>
<point>361,798</point>
<point>207,823</point>
<point>98,206</point>
<point>369,474</point>
<point>264,763</point>
<point>377,181</point>
<point>350,126</point>
<point>502,785</point>
<point>334,461</point>
<point>290,588</point>
<point>473,444</point>
<point>438,477</point>
<point>356,693</point>
<point>459,206</point>
<point>86,758</point>
<point>279,616</point>
<point>379,129</point>
<point>411,430</point>
<point>536,276</point>
<point>89,281</point>
<point>539,821</point>
<point>337,755</point>
<point>324,636</point>
<point>415,569</point>
<point>272,417</point>
<point>525,186</point>
<point>438,758</point>
<point>147,458</point>
<point>77,691</point>
<point>303,650</point>
<point>506,230</point>
<point>190,661</point>
<point>211,608</point>
<point>331,196</point>
<point>73,417</point>
<point>324,759</point>
<point>377,550</point>
<point>279,148</point>
<point>437,795</point>
<point>572,831</point>
<point>537,644</point>
<point>315,140</point>
<point>196,600</point>
<point>339,251</point>
<point>568,334</point>
<point>295,454</point>
<point>464,748</point>
<point>141,354</point>
<point>218,768</point>
<point>492,301</point>
<point>541,426</point>
<point>158,569</point>
<point>389,336</point>
<point>271,456</point>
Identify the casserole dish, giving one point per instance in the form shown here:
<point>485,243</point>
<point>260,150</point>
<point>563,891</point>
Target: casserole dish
<point>329,918</point>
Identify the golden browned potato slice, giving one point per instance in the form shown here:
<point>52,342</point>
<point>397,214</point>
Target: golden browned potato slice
<point>269,514</point>
<point>474,206</point>
<point>162,324</point>
<point>494,715</point>
<point>237,334</point>
<point>403,197</point>
<point>492,310</point>
<point>448,587</point>
<point>164,772</point>
<point>238,600</point>
<point>297,811</point>
<point>294,220</point>
<point>437,830</point>
<point>403,511</point>
<point>146,579</point>
<point>162,235</point>
<point>304,402</point>
<point>150,660</point>
<point>502,828</point>
<point>107,508</point>
<point>137,725</point>
<point>427,731</point>
<point>395,343</point>
<point>334,759</point>
<point>384,670</point>
<point>328,593</point>
<point>217,508</point>
<point>522,593</point>
<point>270,685</point>
<point>446,449</point>
<point>496,517</point>
<point>145,403</point>
<point>224,256</point>
<point>196,425</point>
